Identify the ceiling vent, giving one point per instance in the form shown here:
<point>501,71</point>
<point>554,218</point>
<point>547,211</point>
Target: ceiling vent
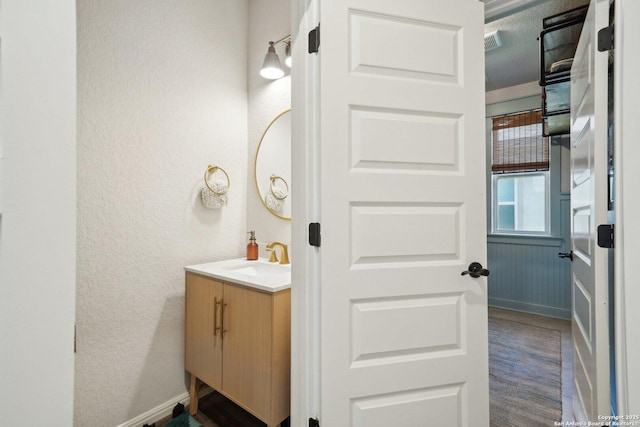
<point>492,41</point>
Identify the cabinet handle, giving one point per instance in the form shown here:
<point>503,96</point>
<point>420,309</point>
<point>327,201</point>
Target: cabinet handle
<point>224,330</point>
<point>215,315</point>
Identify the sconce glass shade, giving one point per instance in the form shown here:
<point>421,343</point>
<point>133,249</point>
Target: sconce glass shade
<point>287,53</point>
<point>271,68</point>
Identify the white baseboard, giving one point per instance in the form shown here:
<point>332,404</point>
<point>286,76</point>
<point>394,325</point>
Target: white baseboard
<point>163,410</point>
<point>158,412</point>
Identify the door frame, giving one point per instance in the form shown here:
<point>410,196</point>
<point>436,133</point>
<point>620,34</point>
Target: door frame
<point>305,170</point>
<point>305,400</point>
<point>627,127</point>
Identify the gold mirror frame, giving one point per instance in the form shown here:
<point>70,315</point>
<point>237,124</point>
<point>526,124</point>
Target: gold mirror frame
<point>261,196</point>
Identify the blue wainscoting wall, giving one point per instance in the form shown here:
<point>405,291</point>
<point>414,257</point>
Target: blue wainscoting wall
<point>527,274</point>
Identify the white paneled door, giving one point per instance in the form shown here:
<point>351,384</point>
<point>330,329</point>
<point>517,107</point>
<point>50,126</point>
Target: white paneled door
<point>402,209</point>
<point>589,204</point>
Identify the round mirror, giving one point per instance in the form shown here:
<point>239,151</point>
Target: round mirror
<point>272,167</point>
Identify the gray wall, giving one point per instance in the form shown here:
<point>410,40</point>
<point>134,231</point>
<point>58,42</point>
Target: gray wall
<point>267,98</point>
<point>38,211</point>
<point>162,92</point>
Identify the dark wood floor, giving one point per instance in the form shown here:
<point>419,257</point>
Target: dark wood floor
<point>214,410</point>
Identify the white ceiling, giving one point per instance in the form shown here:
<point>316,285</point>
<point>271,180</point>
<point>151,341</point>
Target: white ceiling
<point>517,61</point>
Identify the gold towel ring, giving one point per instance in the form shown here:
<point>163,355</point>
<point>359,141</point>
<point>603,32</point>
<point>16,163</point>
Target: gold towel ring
<point>273,179</point>
<point>210,171</point>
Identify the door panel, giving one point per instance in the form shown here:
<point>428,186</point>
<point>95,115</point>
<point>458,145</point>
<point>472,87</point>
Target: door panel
<point>248,343</point>
<point>203,350</point>
<point>402,207</point>
<point>589,204</point>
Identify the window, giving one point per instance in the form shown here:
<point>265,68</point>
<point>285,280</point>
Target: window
<point>520,203</point>
<point>520,182</point>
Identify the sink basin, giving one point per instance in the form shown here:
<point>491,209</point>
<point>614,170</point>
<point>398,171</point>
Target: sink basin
<point>260,274</point>
<point>258,268</point>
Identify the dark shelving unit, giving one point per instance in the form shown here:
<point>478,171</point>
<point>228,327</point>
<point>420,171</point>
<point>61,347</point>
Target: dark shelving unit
<point>558,42</point>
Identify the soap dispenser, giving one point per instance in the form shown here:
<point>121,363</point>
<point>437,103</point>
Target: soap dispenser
<point>252,247</point>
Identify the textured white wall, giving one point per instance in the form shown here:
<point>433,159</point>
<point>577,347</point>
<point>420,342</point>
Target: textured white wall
<point>268,21</point>
<point>162,92</point>
<point>38,224</point>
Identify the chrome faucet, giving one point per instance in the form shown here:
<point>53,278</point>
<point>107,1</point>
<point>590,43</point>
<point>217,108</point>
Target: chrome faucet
<point>284,254</point>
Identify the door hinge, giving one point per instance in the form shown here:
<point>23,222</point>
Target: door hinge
<point>314,234</point>
<point>605,39</point>
<point>605,236</point>
<point>313,422</point>
<point>314,40</point>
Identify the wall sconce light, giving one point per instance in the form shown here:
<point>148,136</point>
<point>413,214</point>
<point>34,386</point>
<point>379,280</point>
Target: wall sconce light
<point>271,68</point>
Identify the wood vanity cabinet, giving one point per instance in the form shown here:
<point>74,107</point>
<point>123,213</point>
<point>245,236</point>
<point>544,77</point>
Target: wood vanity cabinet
<point>237,341</point>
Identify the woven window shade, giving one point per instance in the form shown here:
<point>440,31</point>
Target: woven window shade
<point>518,144</point>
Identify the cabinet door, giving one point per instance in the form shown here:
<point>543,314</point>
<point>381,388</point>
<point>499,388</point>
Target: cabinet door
<point>203,345</point>
<point>247,348</point>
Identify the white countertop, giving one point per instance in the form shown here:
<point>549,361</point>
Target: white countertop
<point>260,274</point>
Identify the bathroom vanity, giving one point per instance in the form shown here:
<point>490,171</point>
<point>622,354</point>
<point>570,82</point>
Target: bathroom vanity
<point>237,334</point>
